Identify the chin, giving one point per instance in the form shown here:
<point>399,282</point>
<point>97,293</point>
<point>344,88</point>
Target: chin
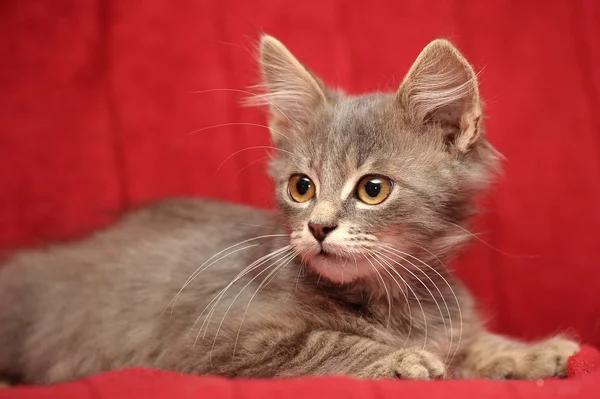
<point>340,270</point>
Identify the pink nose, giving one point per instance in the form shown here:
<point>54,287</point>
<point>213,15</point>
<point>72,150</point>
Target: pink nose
<point>320,231</point>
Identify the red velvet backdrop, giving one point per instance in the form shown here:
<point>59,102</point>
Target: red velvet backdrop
<point>97,110</point>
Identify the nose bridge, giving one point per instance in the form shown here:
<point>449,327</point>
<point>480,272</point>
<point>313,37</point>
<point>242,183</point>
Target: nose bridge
<point>328,207</point>
<point>326,212</point>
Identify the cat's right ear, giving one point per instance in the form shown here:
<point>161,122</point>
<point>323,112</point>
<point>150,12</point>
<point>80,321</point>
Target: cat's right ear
<point>292,94</point>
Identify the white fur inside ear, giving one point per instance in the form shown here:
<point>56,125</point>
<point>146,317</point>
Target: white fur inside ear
<point>292,93</point>
<point>442,87</point>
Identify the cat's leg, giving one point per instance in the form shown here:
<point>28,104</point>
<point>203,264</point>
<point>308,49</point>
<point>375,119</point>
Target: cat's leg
<point>289,354</point>
<point>497,357</point>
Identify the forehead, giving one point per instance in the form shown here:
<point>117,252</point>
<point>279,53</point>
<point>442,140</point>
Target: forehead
<point>350,136</point>
<point>355,126</point>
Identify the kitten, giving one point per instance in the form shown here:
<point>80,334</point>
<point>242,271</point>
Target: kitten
<point>348,278</point>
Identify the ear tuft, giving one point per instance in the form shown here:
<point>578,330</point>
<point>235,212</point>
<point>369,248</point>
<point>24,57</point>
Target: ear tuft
<point>291,92</point>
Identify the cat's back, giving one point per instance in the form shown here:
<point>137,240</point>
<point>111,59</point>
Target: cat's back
<point>125,274</point>
<point>160,238</point>
<point>194,211</point>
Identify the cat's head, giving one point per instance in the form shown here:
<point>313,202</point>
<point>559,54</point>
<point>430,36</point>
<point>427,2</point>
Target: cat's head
<point>367,180</point>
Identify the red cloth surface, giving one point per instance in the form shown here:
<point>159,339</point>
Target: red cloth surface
<point>143,383</point>
<point>97,106</point>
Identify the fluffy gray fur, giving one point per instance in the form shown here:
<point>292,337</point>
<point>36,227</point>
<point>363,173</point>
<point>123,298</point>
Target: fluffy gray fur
<point>210,288</point>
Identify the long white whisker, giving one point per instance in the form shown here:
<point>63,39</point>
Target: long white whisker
<point>387,293</point>
<point>265,281</point>
<point>276,263</point>
<point>255,265</point>
<point>257,225</point>
<point>432,254</point>
<point>302,266</point>
<point>380,259</point>
<point>390,249</point>
<point>450,336</point>
<point>256,147</point>
<point>481,240</point>
<point>250,164</point>
<point>197,272</point>
<point>421,282</point>
<point>451,290</point>
<point>201,268</point>
<point>239,124</point>
<point>259,262</point>
<point>297,279</point>
<point>355,261</point>
<point>301,273</point>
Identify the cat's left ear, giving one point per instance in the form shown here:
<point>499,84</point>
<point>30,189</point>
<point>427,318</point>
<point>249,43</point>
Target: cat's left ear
<point>293,94</point>
<point>441,87</point>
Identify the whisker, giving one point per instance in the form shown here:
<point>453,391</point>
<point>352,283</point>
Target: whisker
<point>233,301</point>
<point>250,164</point>
<point>379,260</point>
<point>297,279</point>
<point>481,240</point>
<point>355,261</point>
<point>376,258</point>
<point>197,273</point>
<point>283,263</point>
<point>255,225</point>
<point>300,271</point>
<point>387,293</point>
<point>198,270</point>
<point>282,252</point>
<point>202,267</point>
<point>256,147</point>
<point>254,265</point>
<point>422,283</point>
<point>434,255</point>
<point>240,124</point>
<point>390,247</point>
<point>448,336</point>
<point>275,263</point>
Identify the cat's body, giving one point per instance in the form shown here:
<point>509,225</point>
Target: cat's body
<point>349,278</point>
<point>122,316</point>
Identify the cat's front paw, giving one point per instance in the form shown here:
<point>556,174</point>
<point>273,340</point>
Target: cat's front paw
<point>542,360</point>
<point>409,364</point>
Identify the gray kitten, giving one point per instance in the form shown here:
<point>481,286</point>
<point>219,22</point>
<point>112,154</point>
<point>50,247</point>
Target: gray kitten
<point>374,193</point>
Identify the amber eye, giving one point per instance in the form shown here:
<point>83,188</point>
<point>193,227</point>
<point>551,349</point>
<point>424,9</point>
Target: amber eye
<point>301,188</point>
<point>373,189</point>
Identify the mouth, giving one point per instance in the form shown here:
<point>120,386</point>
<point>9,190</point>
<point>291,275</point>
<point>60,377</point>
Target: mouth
<point>335,266</point>
<point>330,255</point>
<point>322,252</point>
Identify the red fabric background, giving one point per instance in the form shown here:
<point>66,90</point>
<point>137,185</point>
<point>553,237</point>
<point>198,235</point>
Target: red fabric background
<point>97,106</point>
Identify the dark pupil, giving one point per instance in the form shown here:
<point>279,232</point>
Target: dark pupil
<point>303,185</point>
<point>373,188</point>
